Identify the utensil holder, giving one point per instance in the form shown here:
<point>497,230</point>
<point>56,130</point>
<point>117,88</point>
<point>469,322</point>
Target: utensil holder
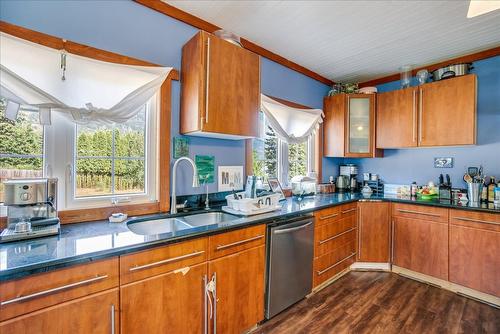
<point>474,192</point>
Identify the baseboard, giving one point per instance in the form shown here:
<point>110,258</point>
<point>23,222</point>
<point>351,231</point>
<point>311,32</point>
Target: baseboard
<point>371,266</point>
<point>328,282</point>
<point>459,289</point>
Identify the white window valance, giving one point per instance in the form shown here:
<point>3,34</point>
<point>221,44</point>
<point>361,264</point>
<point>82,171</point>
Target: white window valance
<point>293,125</point>
<point>92,90</point>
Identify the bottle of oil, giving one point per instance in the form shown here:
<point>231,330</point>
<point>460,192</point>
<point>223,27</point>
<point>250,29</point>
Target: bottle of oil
<point>484,192</point>
<point>491,189</point>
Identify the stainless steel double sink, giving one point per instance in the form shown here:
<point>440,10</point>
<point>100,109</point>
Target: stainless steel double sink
<point>174,224</point>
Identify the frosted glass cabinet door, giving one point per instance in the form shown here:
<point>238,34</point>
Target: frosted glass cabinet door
<point>359,124</point>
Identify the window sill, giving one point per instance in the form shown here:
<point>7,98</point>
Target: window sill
<point>102,213</point>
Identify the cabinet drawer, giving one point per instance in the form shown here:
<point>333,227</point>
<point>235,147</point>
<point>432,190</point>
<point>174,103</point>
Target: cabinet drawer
<point>426,212</point>
<point>161,260</point>
<point>348,210</point>
<point>24,295</point>
<point>328,265</point>
<point>327,215</point>
<point>474,219</point>
<point>98,313</point>
<point>236,241</point>
<point>334,234</point>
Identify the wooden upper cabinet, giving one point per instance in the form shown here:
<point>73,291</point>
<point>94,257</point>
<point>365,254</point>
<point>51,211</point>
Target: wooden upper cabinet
<point>374,232</point>
<point>349,126</point>
<point>334,126</point>
<point>220,94</point>
<point>447,114</point>
<point>397,123</point>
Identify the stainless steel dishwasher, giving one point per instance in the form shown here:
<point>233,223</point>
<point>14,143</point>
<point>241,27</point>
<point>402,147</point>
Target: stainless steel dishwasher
<point>289,265</point>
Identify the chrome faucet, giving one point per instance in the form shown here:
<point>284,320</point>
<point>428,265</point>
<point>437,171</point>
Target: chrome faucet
<point>196,184</point>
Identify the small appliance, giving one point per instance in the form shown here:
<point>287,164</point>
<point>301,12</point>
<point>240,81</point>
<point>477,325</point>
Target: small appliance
<point>342,183</point>
<point>31,208</point>
<point>351,171</point>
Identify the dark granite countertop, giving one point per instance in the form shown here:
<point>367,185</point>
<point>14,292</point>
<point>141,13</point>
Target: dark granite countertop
<point>85,242</point>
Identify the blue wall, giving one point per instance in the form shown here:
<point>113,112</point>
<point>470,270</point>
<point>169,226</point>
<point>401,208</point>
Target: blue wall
<point>406,165</point>
<point>131,29</point>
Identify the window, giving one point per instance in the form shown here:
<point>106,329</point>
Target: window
<point>110,159</point>
<point>273,157</point>
<point>111,163</point>
<point>21,146</point>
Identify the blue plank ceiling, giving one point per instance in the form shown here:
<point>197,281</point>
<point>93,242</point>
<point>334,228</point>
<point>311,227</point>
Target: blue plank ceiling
<point>128,28</point>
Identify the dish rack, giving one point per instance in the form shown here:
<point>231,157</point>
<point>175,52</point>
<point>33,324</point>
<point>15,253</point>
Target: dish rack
<point>247,206</point>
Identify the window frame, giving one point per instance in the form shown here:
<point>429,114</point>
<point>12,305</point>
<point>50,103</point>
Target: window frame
<point>61,143</point>
<point>164,124</point>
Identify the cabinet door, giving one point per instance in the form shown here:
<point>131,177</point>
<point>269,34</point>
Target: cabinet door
<point>397,119</point>
<point>421,246</point>
<point>240,290</point>
<point>474,258</point>
<point>233,88</point>
<point>334,126</point>
<point>374,232</point>
<point>447,113</point>
<point>97,313</point>
<point>171,302</point>
<point>360,126</point>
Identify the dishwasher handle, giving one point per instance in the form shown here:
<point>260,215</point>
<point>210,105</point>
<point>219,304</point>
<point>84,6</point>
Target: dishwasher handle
<point>291,229</point>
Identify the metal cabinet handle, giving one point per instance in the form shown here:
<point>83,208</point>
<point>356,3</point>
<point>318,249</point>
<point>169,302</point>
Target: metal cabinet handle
<point>350,210</point>
<point>477,221</point>
<point>420,114</point>
<point>60,288</point>
<point>321,272</point>
<point>205,300</point>
<point>166,261</point>
<point>238,242</point>
<point>328,216</point>
<point>392,241</point>
<point>359,232</point>
<point>208,80</point>
<point>414,116</point>
<point>419,213</point>
<point>112,318</point>
<point>288,230</point>
<point>336,236</point>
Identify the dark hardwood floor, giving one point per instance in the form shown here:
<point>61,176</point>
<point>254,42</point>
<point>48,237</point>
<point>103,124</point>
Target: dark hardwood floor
<point>377,302</point>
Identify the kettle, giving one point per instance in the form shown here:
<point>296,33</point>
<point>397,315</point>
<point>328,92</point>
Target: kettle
<point>342,183</point>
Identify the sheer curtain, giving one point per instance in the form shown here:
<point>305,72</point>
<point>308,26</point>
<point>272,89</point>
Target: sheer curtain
<point>84,89</point>
<point>292,125</point>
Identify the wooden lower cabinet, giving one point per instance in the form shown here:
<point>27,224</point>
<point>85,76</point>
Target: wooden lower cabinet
<point>421,246</point>
<point>167,303</point>
<point>474,251</point>
<point>97,313</point>
<point>240,290</point>
<point>374,232</point>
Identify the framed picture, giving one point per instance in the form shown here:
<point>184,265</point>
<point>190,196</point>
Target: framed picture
<point>206,168</point>
<point>275,186</point>
<point>443,162</point>
<point>230,177</point>
<point>181,147</point>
